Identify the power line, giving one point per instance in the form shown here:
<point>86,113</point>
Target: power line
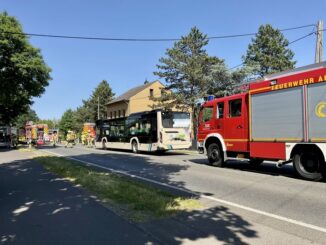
<point>294,41</point>
<point>140,39</point>
<point>303,37</point>
<point>252,34</point>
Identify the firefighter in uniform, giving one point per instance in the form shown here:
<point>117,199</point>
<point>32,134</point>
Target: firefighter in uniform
<point>55,138</point>
<point>89,139</point>
<point>84,138</point>
<point>70,140</point>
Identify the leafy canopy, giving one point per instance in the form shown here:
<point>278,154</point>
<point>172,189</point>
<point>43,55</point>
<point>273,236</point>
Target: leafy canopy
<point>268,52</point>
<point>189,72</point>
<point>68,121</point>
<point>23,72</point>
<point>74,119</point>
<point>30,115</point>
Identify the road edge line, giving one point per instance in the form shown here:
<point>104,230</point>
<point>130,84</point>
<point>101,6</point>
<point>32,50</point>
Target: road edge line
<point>232,204</point>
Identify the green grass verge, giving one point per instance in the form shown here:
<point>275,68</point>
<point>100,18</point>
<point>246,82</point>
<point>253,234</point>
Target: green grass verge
<point>131,198</point>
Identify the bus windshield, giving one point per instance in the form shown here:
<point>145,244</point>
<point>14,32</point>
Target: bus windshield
<point>176,119</point>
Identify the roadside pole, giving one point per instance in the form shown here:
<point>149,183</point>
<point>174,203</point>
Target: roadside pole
<point>319,42</point>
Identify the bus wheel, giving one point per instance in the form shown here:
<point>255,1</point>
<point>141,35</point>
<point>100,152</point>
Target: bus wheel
<point>134,146</point>
<point>308,165</point>
<point>255,161</point>
<point>215,157</point>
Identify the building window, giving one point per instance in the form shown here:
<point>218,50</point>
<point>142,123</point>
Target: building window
<point>115,114</point>
<point>151,93</point>
<point>119,113</point>
<point>111,114</point>
<point>124,113</point>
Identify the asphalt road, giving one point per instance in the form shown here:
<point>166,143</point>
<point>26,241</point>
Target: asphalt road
<point>276,202</point>
<point>37,207</point>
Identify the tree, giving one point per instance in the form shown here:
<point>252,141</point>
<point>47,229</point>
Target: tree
<point>188,71</point>
<point>68,121</point>
<point>100,97</point>
<point>52,123</point>
<point>83,114</point>
<point>21,120</point>
<point>23,73</point>
<point>269,53</point>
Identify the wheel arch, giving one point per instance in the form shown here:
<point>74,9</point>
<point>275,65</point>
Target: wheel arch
<point>307,147</point>
<point>104,140</point>
<point>134,139</point>
<point>215,138</point>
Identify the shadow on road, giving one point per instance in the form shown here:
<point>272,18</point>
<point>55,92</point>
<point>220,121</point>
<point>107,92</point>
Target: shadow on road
<point>265,168</point>
<point>207,226</point>
<point>37,207</point>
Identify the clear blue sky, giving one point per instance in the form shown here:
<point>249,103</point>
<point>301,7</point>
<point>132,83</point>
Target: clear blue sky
<point>78,65</point>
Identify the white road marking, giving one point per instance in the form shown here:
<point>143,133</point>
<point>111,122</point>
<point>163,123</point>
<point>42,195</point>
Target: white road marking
<point>232,204</point>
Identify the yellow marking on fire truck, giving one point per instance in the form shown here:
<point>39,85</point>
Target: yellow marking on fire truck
<point>277,139</point>
<point>322,78</point>
<point>250,128</point>
<point>259,89</point>
<point>292,84</point>
<point>319,109</point>
<point>236,140</point>
<point>317,139</point>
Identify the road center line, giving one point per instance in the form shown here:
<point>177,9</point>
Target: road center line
<point>253,210</point>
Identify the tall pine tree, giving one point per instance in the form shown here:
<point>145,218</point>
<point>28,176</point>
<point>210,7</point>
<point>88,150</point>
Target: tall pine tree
<point>88,112</point>
<point>188,71</point>
<point>269,53</point>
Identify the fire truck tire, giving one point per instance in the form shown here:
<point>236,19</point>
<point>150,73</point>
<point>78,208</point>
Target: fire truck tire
<point>134,146</point>
<point>255,161</point>
<point>214,154</point>
<point>308,165</point>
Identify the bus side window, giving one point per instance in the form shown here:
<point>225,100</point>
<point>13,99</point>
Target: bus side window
<point>131,126</point>
<point>107,132</point>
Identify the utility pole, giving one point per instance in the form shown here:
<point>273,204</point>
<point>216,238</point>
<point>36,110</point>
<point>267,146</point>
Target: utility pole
<point>319,42</point>
<point>98,108</point>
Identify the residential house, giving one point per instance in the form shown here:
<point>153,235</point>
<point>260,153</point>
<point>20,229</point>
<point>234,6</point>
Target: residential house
<point>134,100</point>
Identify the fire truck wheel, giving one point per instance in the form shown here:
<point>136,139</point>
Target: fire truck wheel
<point>307,165</point>
<point>134,146</point>
<point>255,161</point>
<point>215,157</point>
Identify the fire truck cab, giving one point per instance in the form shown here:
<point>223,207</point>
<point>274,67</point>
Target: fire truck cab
<point>281,118</point>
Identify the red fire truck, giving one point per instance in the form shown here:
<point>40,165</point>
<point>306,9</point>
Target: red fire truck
<point>281,117</point>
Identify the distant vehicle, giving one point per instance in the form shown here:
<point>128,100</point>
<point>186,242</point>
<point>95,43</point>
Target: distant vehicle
<point>36,133</point>
<point>155,130</point>
<point>51,132</point>
<point>88,134</point>
<point>22,136</point>
<point>8,136</point>
<point>281,118</point>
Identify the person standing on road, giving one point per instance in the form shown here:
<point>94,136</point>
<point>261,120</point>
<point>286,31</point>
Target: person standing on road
<point>55,138</point>
<point>70,140</point>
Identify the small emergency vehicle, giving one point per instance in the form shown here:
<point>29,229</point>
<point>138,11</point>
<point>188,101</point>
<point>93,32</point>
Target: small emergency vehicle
<point>8,136</point>
<point>281,117</point>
